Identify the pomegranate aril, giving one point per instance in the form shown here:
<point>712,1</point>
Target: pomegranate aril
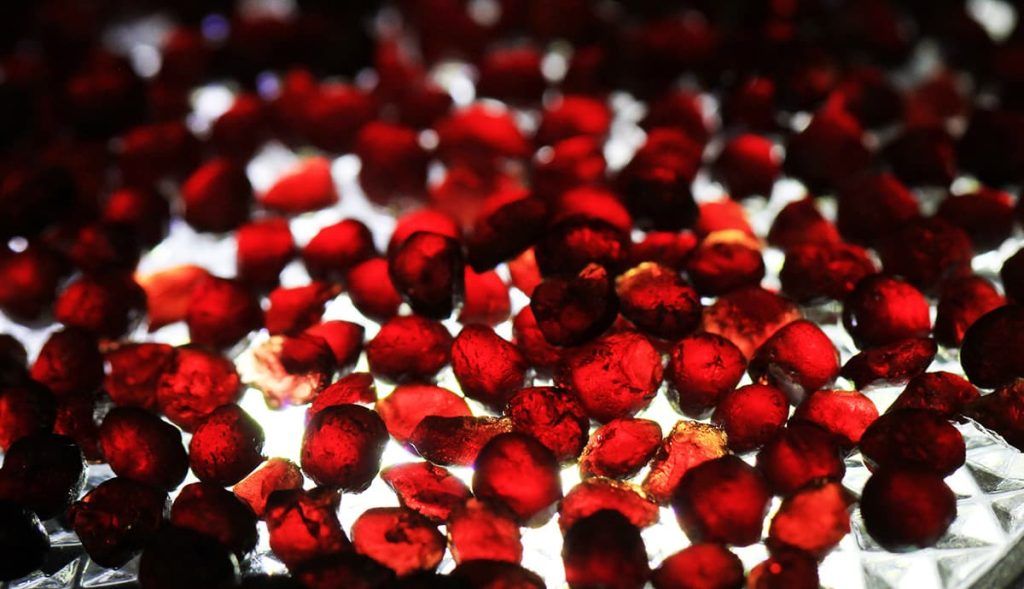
<point>666,248</point>
<point>596,494</point>
<point>371,289</point>
<point>656,182</point>
<point>25,409</point>
<point>700,566</point>
<point>337,248</point>
<point>264,248</point>
<point>307,187</point>
<point>427,220</point>
<point>798,359</point>
<point>178,557</point>
<point>725,221</point>
<point>455,440</point>
<point>291,370</point>
<point>680,110</point>
<point>963,301</point>
<point>986,215</point>
<point>620,448</point>
<point>573,115</point>
<point>406,406</point>
<point>511,74</point>
<point>748,165</point>
<point>750,415</point>
<point>905,509</point>
<point>942,392</point>
<point>798,455</point>
<point>357,387</point>
<point>657,301</point>
<point>76,419</point>
<point>169,293</point>
<point>393,163</point>
<point>882,310</point>
<point>488,368</point>
<point>43,472</point>
<point>69,363</point>
<point>483,530</point>
<point>749,316</point>
<point>801,223</point>
<point>221,312</point>
<point>689,444</point>
<point>409,348</point>
<point>304,525</point>
<point>817,272</point>
<point>988,353</point>
<point>106,305</point>
<point>812,520</point>
<point>480,136</point>
<point>134,371</point>
<point>115,520</point>
<point>570,311</point>
<point>844,414</point>
<point>702,368</point>
<point>429,490</point>
<point>541,354</point>
<point>295,309</point>
<point>427,270</point>
<point>344,338</point>
<point>140,446</point>
<point>217,196</point>
<point>276,474</point>
<point>508,222</point>
<point>551,415</point>
<point>892,363</point>
<point>398,538</point>
<point>342,446</point>
<point>1002,411</point>
<point>211,510</point>
<point>722,500</point>
<point>485,300</point>
<point>517,471</point>
<point>570,163</point>
<point>226,446</point>
<point>605,550</point>
<point>197,383</point>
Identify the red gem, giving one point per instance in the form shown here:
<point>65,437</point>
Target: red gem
<point>962,302</point>
<point>488,368</point>
<point>344,338</point>
<point>593,495</point>
<point>569,246</point>
<point>926,251</point>
<point>702,368</point>
<point>44,473</point>
<point>69,364</point>
<point>357,387</point>
<point>273,475</point>
<point>142,213</point>
<point>517,471</point>
<point>817,272</point>
<point>874,206</point>
<point>294,309</point>
<point>213,511</point>
<point>331,118</point>
<point>217,196</point>
<point>226,446</point>
<point>986,215</point>
<point>722,500</point>
<point>169,293</point>
<point>605,550</point>
<point>428,220</point>
<point>264,248</point>
<point>620,448</point>
<point>799,359</point>
<point>342,446</point>
<point>891,363</point>
<point>406,406</point>
<point>689,444</point>
<point>28,281</point>
<point>989,353</point>
<point>197,383</point>
<point>845,414</point>
<point>750,415</point>
<point>398,538</point>
<point>507,223</point>
<point>800,454</point>
<point>486,298</point>
<point>658,301</point>
<point>106,305</point>
<point>571,311</point>
<point>882,310</point>
<point>914,439</point>
<point>531,342</point>
<point>943,392</point>
<point>707,566</point>
<point>76,419</point>
<point>409,348</point>
<point>553,416</point>
<point>906,509</point>
<point>573,116</point>
<point>393,163</point>
<point>679,109</point>
<point>115,520</point>
<point>813,520</point>
<point>455,440</point>
<point>240,130</point>
<point>666,248</point>
<point>656,182</point>
<point>801,223</point>
<point>337,248</point>
<point>427,270</point>
<point>483,530</point>
<point>569,163</point>
<point>748,317</point>
<point>304,525</point>
<point>371,290</point>
<point>747,165</point>
<point>923,156</point>
<point>24,410</point>
<point>221,312</point>
<point>291,370</point>
<point>141,447</point>
<point>429,490</point>
<point>1002,411</point>
<point>479,135</point>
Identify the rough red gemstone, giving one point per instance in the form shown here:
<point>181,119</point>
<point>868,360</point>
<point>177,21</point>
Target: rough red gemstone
<point>221,312</point>
<point>106,304</point>
<point>140,446</point>
<point>115,520</point>
<point>357,387</point>
<point>398,538</point>
<point>134,371</point>
<point>926,251</point>
<point>488,368</point>
<point>553,416</point>
<point>483,530</point>
<point>507,223</point>
<point>392,161</point>
<point>748,165</point>
<point>923,156</point>
<point>169,293</point>
<point>1012,274</point>
<point>882,309</point>
<point>517,471</point>
<point>844,414</point>
<point>874,206</point>
<point>25,409</point>
<point>722,500</point>
<point>265,247</point>
<point>798,359</point>
<point>76,419</point>
<point>748,317</point>
<point>217,196</point>
<point>905,509</point>
<point>656,182</point>
<point>28,281</point>
<point>209,509</point>
<point>480,135</point>
<point>812,520</point>
<point>786,570</point>
<point>590,202</point>
<point>658,301</point>
<point>43,472</point>
<point>614,376</point>
<point>304,525</point>
<point>307,187</point>
<point>942,392</point>
<point>571,116</point>
<point>570,246</point>
<point>593,495</point>
<point>334,114</point>
<point>605,550</point>
<point>989,350</point>
<point>293,310</point>
<point>427,270</point>
<point>291,370</point>
<point>701,368</point>
<point>429,490</point>
<point>531,342</point>
<point>409,348</point>
<point>828,151</point>
<point>913,438</point>
<point>426,219</point>
<point>962,301</point>
<point>342,446</point>
<point>197,383</point>
<point>455,440</point>
<point>689,444</point>
<point>620,448</point>
<point>568,164</point>
<point>666,248</point>
<point>800,454</point>
<point>801,223</point>
<point>406,406</point>
<point>371,290</point>
<point>700,566</point>
<point>816,272</point>
<point>241,129</point>
<point>337,248</point>
<point>986,215</point>
<point>893,363</point>
<point>680,109</point>
<point>512,74</point>
<point>226,446</point>
<point>571,311</point>
<point>485,299</point>
<point>751,415</point>
<point>1002,411</point>
<point>69,363</point>
<point>344,338</point>
<point>275,474</point>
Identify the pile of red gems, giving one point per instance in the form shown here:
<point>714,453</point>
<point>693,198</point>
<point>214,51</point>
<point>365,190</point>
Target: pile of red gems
<point>635,288</point>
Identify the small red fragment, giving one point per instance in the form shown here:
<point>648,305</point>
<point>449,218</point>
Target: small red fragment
<point>907,509</point>
<point>357,387</point>
<point>308,187</point>
<point>456,440</point>
<point>409,348</point>
<point>689,444</point>
<point>962,302</point>
<point>892,363</point>
<point>342,446</point>
<point>304,525</point>
<point>800,454</point>
<point>786,570</point>
<point>483,530</point>
<point>812,520</point>
<point>406,406</point>
<point>69,363</point>
<point>751,415</point>
<point>666,248</point>
<point>798,359</point>
<point>541,354</point>
<point>197,383</point>
<point>553,416</point>
<point>115,520</point>
<point>345,339</point>
<point>429,490</point>
<point>141,447</point>
<point>825,271</point>
<point>517,471</point>
<point>371,289</point>
<point>275,474</point>
<point>722,500</point>
<point>217,196</point>
<point>427,270</point>
<point>882,310</point>
<point>658,301</point>
<point>748,165</point>
<point>227,446</point>
<point>913,438</point>
<point>264,248</point>
<point>398,538</point>
<point>620,448</point>
<point>485,299</point>
<point>488,368</point>
<point>942,392</point>
<point>845,414</point>
<point>295,309</point>
<point>134,372</point>
<point>337,248</point>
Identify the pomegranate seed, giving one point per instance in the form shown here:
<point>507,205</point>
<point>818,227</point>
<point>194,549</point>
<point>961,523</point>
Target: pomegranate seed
<point>813,520</point>
<point>571,245</point>
<point>881,310</point>
<point>747,165</point>
<point>304,525</point>
<point>553,416</point>
<point>915,439</point>
<point>215,512</point>
<point>700,566</point>
<point>344,338</point>
<point>1001,412</point>
<point>28,281</point>
<point>507,223</point>
<point>620,448</point>
<point>942,392</point>
<point>429,490</point>
<point>893,363</point>
<point>658,301</point>
<point>925,251</point>
<point>69,364</point>
<point>488,368</point>
<point>291,370</point>
<point>656,182</point>
<point>455,440</point>
<point>426,220</point>
<point>99,249</point>
<point>332,118</point>
<point>798,359</point>
<point>750,415</point>
<point>392,162</point>
<point>427,270</point>
<point>593,495</point>
<point>800,454</point>
<point>409,348</point>
<point>786,570</point>
<point>338,248</point>
<point>701,368</point>
<point>725,216</point>
<point>197,383</point>
<point>342,447</point>
<point>844,414</point>
<point>264,248</point>
<point>986,215</point>
<point>874,206</point>
<point>221,313</point>
<point>399,538</point>
<point>517,471</point>
<point>106,305</point>
<point>408,404</point>
<point>748,317</point>
<point>371,290</point>
<point>293,310</point>
<point>483,530</point>
<point>226,446</point>
<point>903,509</point>
<point>689,444</point>
<point>722,500</point>
<point>531,342</point>
<point>827,271</point>
<point>178,557</point>
<point>962,302</point>
<point>150,152</point>
<point>43,472</point>
<point>134,372</point>
<point>275,474</point>
<point>486,298</point>
<point>25,409</point>
<point>115,520</point>
<point>752,104</point>
<point>571,311</point>
<point>169,293</point>
<point>988,353</point>
<point>357,387</point>
<point>605,550</point>
<point>307,187</point>
<point>217,196</point>
<point>141,447</point>
<point>801,223</point>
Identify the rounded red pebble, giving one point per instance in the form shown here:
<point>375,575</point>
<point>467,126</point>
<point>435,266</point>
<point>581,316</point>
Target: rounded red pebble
<point>217,196</point>
<point>786,570</point>
<point>689,444</point>
<point>345,339</point>
<point>488,368</point>
<point>518,472</point>
<point>409,348</point>
<point>812,520</point>
<point>43,472</point>
<point>275,474</point>
<point>571,311</point>
<point>392,161</point>
<point>221,313</point>
<point>484,530</point>
<point>748,165</point>
<point>906,509</point>
<point>620,448</point>
<point>892,363</point>
<point>140,446</point>
<point>722,500</point>
<point>800,454</point>
<point>371,289</point>
<point>337,248</point>
<point>265,247</point>
<point>357,387</point>
<point>76,419</point>
<point>553,416</point>
<point>107,305</point>
<point>605,550</point>
<point>749,316</point>
<point>826,271</point>
<point>427,489</point>
<point>406,406</point>
<point>115,520</point>
<point>828,151</point>
<point>874,206</point>
<point>541,354</point>
<point>177,557</point>
<point>798,359</point>
<point>134,371</point>
<point>942,392</point>
<point>596,494</point>
<point>508,222</point>
<point>485,300</point>
<point>700,566</point>
<point>429,220</point>
<point>845,414</point>
<point>926,251</point>
<point>28,282</point>
<point>211,510</point>
<point>658,301</point>
<point>579,241</point>
<point>398,538</point>
<point>304,525</point>
<point>702,368</point>
<point>989,352</point>
<point>169,293</point>
<point>197,383</point>
<point>986,215</point>
<point>963,301</point>
<point>293,310</point>
<point>25,409</point>
<point>883,309</point>
<point>1002,411</point>
<point>913,438</point>
<point>801,223</point>
<point>427,270</point>
<point>226,446</point>
<point>69,363</point>
<point>614,376</point>
<point>307,187</point>
<point>342,446</point>
<point>456,440</point>
<point>751,415</point>
<point>725,261</point>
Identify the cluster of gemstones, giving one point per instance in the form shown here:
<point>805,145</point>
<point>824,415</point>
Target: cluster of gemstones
<point>570,183</point>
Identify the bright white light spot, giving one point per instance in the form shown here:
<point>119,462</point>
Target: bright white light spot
<point>208,103</point>
<point>457,80</point>
<point>997,17</point>
<point>428,139</point>
<point>146,60</point>
<point>554,66</point>
<point>276,8</point>
<point>272,162</point>
<point>18,244</point>
<point>484,12</point>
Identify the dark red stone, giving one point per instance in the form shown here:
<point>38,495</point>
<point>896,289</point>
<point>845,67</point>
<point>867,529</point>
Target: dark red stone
<point>357,387</point>
<point>798,359</point>
<point>800,454</point>
<point>722,500</point>
<point>226,446</point>
<point>658,301</point>
<point>407,404</point>
<point>1012,274</point>
<point>748,165</point>
<point>680,109</point>
<point>485,298</point>
<point>923,156</point>
<point>907,509</point>
<point>927,251</point>
<point>140,446</point>
<point>429,490</point>
<point>76,419</point>
<point>874,206</point>
<point>371,290</point>
<point>700,566</point>
<point>689,444</point>
<point>913,439</point>
<point>337,248</point>
<point>942,392</point>
<point>883,310</point>
<point>986,215</point>
<point>197,383</point>
<point>818,272</point>
<point>28,281</point>
<point>344,338</point>
<point>484,530</point>
<point>569,246</point>
<point>265,247</point>
<point>829,151</point>
<point>702,368</point>
<point>844,414</point>
<point>751,415</point>
<point>211,510</point>
<point>813,520</point>
<point>569,163</point>
<point>217,196</point>
<point>656,182</point>
<point>427,270</point>
<point>605,550</point>
<point>620,448</point>
<point>596,494</point>
<point>43,472</point>
<point>488,368</point>
<point>169,293</point>
<point>222,312</point>
<point>962,301</point>
<point>893,363</point>
<point>988,353</point>
<point>517,471</point>
<point>1002,411</point>
<point>507,223</point>
<point>801,223</point>
<point>134,371</point>
<point>69,363</point>
<point>345,569</point>
<point>295,309</point>
<point>275,474</point>
<point>542,355</point>
<point>480,136</point>
<point>115,520</point>
<point>571,311</point>
<point>512,74</point>
<point>667,248</point>
<point>304,525</point>
<point>571,116</point>
<point>749,316</point>
<point>409,348</point>
<point>106,305</point>
<point>553,416</point>
<point>398,538</point>
<point>455,440</point>
<point>392,161</point>
<point>342,446</point>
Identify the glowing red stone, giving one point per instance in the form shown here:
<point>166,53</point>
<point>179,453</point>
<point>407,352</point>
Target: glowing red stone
<point>817,272</point>
<point>196,383</point>
<point>891,363</point>
<point>275,474</point>
<point>69,363</point>
<point>291,370</point>
<point>392,161</point>
<point>406,406</point>
<point>337,248</point>
<point>942,392</point>
<point>342,446</point>
<point>926,251</point>
<point>485,299</point>
<point>750,415</point>
<point>427,270</point>
<point>812,520</point>
<point>455,440</point>
<point>304,525</point>
<point>570,311</point>
<point>221,312</point>
<point>874,206</point>
<point>553,416</point>
<point>844,414</point>
<point>134,371</point>
<point>748,317</point>
<point>264,248</point>
<point>214,511</point>
<point>1002,411</point>
<point>357,387</point>
<point>484,530</point>
<point>226,446</point>
<point>748,165</point>
<point>689,444</point>
<point>294,309</point>
<point>344,338</point>
<point>528,337</point>
<point>308,187</point>
<point>24,410</point>
<point>657,301</point>
<point>429,490</point>
<point>371,289</point>
<point>799,359</point>
<point>596,494</point>
<point>569,246</point>
<point>722,500</point>
<point>828,151</point>
<point>620,448</point>
<point>398,538</point>
<point>882,310</point>
<point>701,368</point>
<point>986,215</point>
<point>217,196</point>
<point>962,302</point>
<point>801,223</point>
<point>906,509</point>
<point>139,446</point>
<point>605,550</point>
<point>409,348</point>
<point>700,566</point>
<point>488,368</point>
<point>518,472</point>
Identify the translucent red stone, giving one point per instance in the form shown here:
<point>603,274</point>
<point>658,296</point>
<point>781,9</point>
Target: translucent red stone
<point>371,290</point>
<point>291,370</point>
<point>988,353</point>
<point>689,444</point>
<point>304,525</point>
<point>196,383</point>
<point>507,223</point>
<point>107,305</point>
<point>801,223</point>
<point>817,272</point>
<point>392,161</point>
<point>344,338</point>
<point>986,215</point>
<point>785,570</point>
<point>512,74</point>
<point>265,247</point>
<point>488,368</point>
<point>139,446</point>
<point>221,312</point>
<point>905,509</point>
<point>749,316</point>
<point>942,392</point>
<point>882,310</point>
<point>43,472</point>
<point>28,281</point>
<point>844,414</point>
<point>427,489</point>
<point>342,446</point>
<point>573,116</point>
<point>398,538</point>
<point>485,298</point>
<point>892,363</point>
<point>24,410</point>
<point>357,387</point>
<point>813,520</point>
<point>76,419</point>
<point>553,416</point>
<point>116,519</point>
<point>307,187</point>
<point>926,251</point>
<point>961,302</point>
<point>701,368</point>
<point>722,500</point>
<point>427,270</point>
<point>596,494</point>
<point>913,438</point>
<point>528,337</point>
<point>69,363</point>
<point>656,182</point>
<point>798,359</point>
<point>570,311</point>
<point>409,348</point>
<point>747,165</point>
<point>226,446</point>
<point>620,448</point>
<point>337,248</point>
<point>1002,411</point>
<point>700,566</point>
<point>750,415</point>
<point>217,196</point>
<point>517,471</point>
<point>657,301</point>
<point>275,474</point>
<point>295,309</point>
<point>667,248</point>
<point>213,511</point>
<point>483,530</point>
<point>134,372</point>
<point>455,440</point>
<point>169,293</point>
<point>407,404</point>
<point>569,246</point>
<point>605,550</point>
